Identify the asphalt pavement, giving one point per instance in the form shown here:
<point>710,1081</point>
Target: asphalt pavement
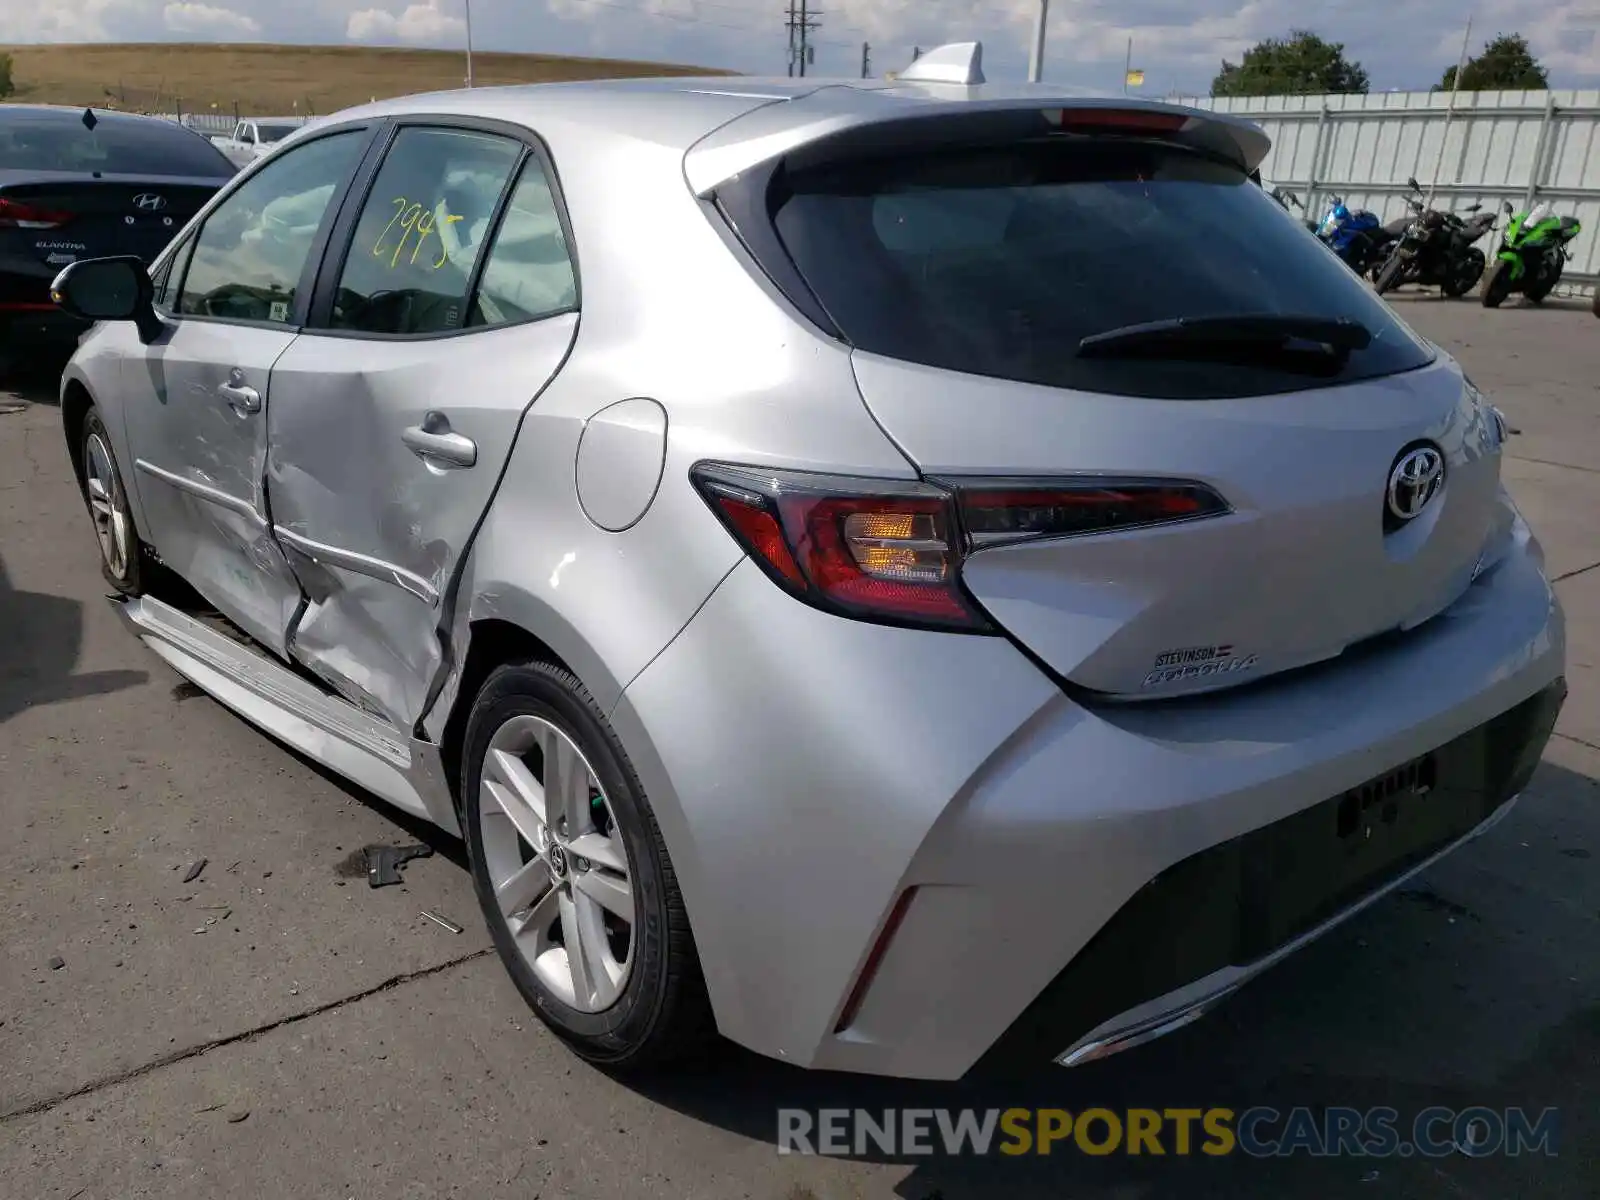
<point>272,1027</point>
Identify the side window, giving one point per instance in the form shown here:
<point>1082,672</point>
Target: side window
<point>170,276</point>
<point>253,247</point>
<point>529,271</point>
<point>410,263</point>
<point>239,131</point>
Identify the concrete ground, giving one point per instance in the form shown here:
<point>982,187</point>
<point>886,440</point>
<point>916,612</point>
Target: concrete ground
<point>274,1028</point>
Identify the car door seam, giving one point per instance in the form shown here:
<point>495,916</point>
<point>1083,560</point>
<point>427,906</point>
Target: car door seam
<point>449,592</point>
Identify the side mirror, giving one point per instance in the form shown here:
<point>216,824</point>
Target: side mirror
<point>1508,208</point>
<point>1415,186</point>
<point>109,289</point>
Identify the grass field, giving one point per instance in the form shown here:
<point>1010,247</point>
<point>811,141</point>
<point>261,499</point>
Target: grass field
<point>278,80</point>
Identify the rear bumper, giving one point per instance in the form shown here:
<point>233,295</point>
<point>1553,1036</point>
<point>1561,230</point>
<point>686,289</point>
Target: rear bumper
<point>1056,875</point>
<point>1203,928</point>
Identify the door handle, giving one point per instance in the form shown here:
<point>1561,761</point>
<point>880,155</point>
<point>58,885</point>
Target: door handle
<point>241,397</point>
<point>434,442</point>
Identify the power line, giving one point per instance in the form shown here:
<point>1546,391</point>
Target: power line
<point>694,19</point>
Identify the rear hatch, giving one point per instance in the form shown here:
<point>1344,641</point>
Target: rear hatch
<point>51,219</point>
<point>1087,315</point>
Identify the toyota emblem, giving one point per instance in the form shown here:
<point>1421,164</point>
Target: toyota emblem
<point>149,202</point>
<point>1415,479</point>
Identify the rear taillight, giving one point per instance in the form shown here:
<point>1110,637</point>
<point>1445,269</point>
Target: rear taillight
<point>892,550</point>
<point>998,511</point>
<point>16,215</point>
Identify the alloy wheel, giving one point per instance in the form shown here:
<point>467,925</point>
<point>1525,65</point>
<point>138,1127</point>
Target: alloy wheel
<point>108,505</point>
<point>557,863</point>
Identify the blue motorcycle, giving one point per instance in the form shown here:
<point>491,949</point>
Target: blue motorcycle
<point>1358,237</point>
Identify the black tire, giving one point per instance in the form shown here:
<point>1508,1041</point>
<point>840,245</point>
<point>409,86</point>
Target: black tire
<point>1541,287</point>
<point>663,1013</point>
<point>1389,276</point>
<point>1497,284</point>
<point>1595,305</point>
<point>1468,270</point>
<point>133,575</point>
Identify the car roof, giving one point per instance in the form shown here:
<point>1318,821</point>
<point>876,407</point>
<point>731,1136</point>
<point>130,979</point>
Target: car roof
<point>694,104</point>
<point>65,112</point>
<point>733,122</point>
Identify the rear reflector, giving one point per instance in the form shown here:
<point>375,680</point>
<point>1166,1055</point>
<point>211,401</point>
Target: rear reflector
<point>16,215</point>
<point>869,969</point>
<point>891,550</point>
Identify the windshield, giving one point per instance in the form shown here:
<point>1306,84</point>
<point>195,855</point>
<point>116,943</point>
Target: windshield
<point>58,141</point>
<point>1000,261</point>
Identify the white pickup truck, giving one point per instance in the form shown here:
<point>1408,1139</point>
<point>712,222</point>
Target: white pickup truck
<point>256,136</point>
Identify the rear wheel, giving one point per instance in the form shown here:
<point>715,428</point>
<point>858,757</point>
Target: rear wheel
<point>573,876</point>
<point>1465,272</point>
<point>1497,284</point>
<point>1596,303</point>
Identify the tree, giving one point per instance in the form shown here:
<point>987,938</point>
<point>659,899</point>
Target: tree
<point>6,84</point>
<point>1301,64</point>
<point>1505,64</point>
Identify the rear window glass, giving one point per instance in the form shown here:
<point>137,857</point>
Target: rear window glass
<point>998,261</point>
<point>115,146</point>
<point>275,133</point>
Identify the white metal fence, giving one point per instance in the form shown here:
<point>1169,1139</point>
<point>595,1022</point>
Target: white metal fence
<point>1518,146</point>
<point>207,123</point>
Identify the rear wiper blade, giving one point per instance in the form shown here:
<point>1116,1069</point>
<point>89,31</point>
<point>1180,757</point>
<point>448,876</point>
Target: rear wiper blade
<point>1266,331</point>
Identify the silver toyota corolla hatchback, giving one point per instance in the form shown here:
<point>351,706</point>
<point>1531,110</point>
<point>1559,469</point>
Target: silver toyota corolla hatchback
<point>908,575</point>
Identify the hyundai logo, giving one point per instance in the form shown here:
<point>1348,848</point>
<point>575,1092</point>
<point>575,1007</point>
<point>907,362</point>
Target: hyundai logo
<point>149,202</point>
<point>1415,479</point>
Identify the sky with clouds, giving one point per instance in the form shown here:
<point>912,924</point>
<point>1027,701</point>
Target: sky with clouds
<point>1178,43</point>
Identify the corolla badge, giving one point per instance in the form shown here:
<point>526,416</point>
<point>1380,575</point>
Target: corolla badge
<point>1415,479</point>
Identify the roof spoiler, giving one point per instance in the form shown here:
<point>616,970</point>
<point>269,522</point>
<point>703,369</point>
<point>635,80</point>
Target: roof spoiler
<point>921,112</point>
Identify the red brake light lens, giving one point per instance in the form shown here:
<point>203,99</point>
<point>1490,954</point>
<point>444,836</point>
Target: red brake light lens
<point>996,512</point>
<point>1124,120</point>
<point>16,215</point>
<point>892,550</point>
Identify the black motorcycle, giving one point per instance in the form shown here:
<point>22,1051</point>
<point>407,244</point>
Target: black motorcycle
<point>1435,249</point>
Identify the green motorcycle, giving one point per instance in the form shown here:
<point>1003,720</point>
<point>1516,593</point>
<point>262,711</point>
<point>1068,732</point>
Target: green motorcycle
<point>1533,252</point>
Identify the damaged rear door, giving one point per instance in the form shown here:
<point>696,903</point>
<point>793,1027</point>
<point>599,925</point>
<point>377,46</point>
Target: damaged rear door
<point>448,303</point>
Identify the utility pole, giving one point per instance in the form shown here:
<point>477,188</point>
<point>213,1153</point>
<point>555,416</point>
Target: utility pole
<point>806,24</point>
<point>866,59</point>
<point>1127,66</point>
<point>789,24</point>
<point>1036,60</point>
<point>1444,134</point>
